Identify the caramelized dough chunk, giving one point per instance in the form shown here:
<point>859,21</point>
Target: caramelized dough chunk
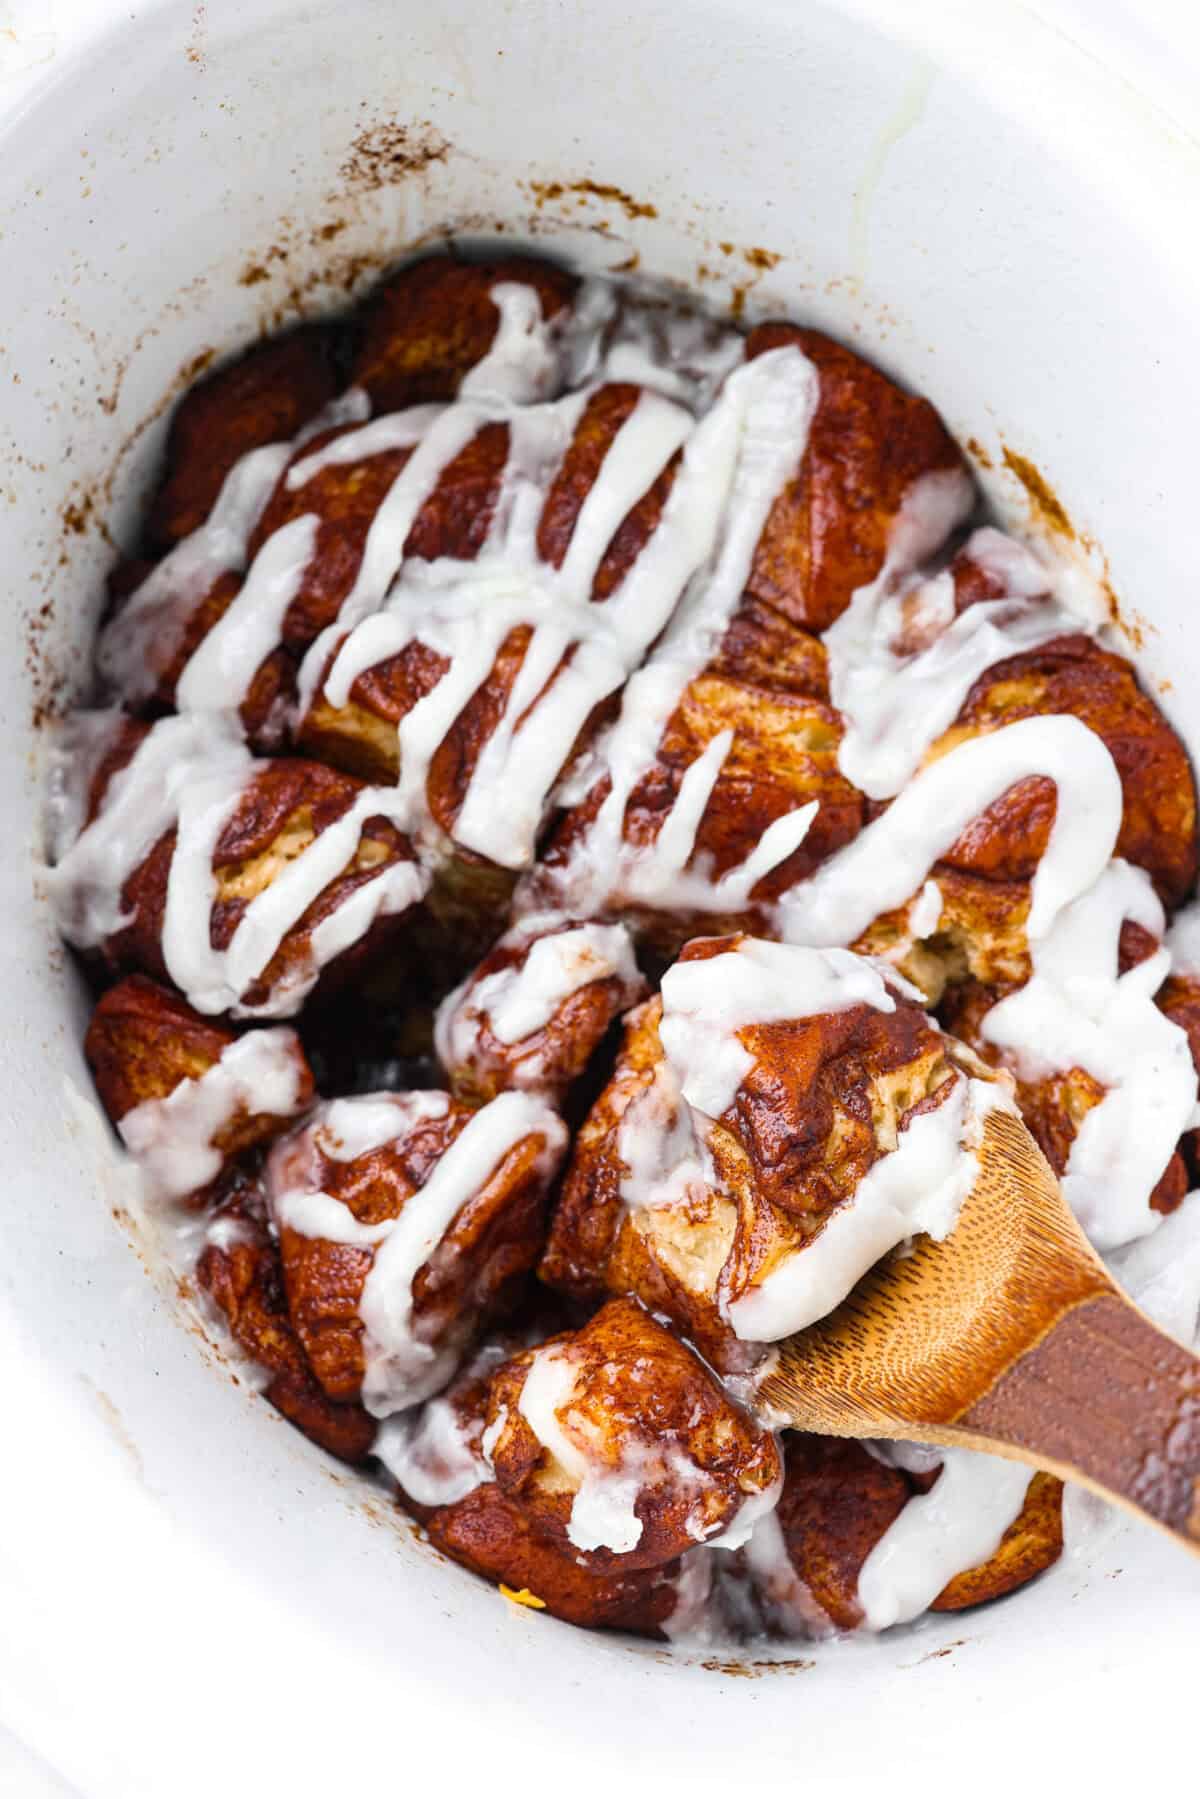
<point>536,1009</point>
<point>475,1267</point>
<point>1074,676</point>
<point>241,1274</point>
<point>1055,1105</point>
<point>768,686</point>
<point>430,324</point>
<point>488,1534</point>
<point>143,1040</point>
<point>1031,1544</point>
<point>621,1448</point>
<point>283,808</point>
<point>824,1098</point>
<point>838,1501</point>
<point>144,1043</point>
<point>267,395</point>
<point>827,533</point>
<point>836,1504</point>
<point>445,1482</point>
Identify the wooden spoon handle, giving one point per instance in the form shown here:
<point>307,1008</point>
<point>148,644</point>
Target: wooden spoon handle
<point>1107,1399</point>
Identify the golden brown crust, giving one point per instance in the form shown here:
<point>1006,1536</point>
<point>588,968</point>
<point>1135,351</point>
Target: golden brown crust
<point>477,1267</point>
<point>827,532</point>
<point>144,1040</point>
<point>1075,677</point>
<point>265,396</point>
<point>243,1279</point>
<point>551,1058</point>
<point>1031,1544</point>
<point>641,1405</point>
<point>426,327</point>
<point>490,1535</point>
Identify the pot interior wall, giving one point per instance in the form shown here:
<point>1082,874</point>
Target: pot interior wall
<point>989,220</point>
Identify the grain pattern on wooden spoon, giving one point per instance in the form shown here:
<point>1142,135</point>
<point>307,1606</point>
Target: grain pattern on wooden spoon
<point>1010,1337</point>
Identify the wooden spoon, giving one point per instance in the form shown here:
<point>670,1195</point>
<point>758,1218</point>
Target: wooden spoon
<point>1011,1337</point>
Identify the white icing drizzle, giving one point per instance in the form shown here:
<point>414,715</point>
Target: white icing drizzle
<point>926,911</point>
<point>888,860</point>
<point>754,1510</point>
<point>957,1525</point>
<point>516,1002</point>
<point>917,1187</point>
<point>190,772</point>
<point>894,704</point>
<point>706,1002</point>
<point>394,431</point>
<point>173,1138</point>
<point>1077,1011</point>
<point>156,613</point>
<point>602,1510</point>
<point>434,1451</point>
<point>219,673</point>
<point>579,652</point>
<point>141,803</point>
<point>741,456</point>
<point>438,443</point>
<point>430,1455</point>
<point>934,505</point>
<point>1183,940</point>
<point>349,1128</point>
<point>663,1159</point>
<point>788,1601</point>
<point>1162,1272</point>
<point>522,364</point>
<point>693,1623</point>
<point>141,640</point>
<point>402,1368</point>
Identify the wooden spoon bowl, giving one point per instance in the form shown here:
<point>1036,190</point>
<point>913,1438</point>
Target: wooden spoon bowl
<point>1011,1337</point>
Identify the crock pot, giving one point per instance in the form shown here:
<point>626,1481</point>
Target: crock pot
<point>193,1599</point>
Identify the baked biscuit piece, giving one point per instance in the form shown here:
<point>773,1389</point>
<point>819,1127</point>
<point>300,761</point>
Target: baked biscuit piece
<point>239,1270</point>
<point>838,1501</point>
<point>405,1221</point>
<point>1055,1105</point>
<point>984,879</point>
<point>622,1449</point>
<point>716,1176</point>
<point>831,528</point>
<point>536,1009</point>
<point>189,1095</point>
<point>436,1455</point>
<point>245,883</point>
<point>268,393</point>
<point>425,328</point>
<point>1074,676</point>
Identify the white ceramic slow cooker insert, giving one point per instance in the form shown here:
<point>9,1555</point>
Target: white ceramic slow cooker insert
<point>195,1599</point>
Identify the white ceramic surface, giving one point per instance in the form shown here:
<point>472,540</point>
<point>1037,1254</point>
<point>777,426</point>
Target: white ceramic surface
<point>193,1601</point>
